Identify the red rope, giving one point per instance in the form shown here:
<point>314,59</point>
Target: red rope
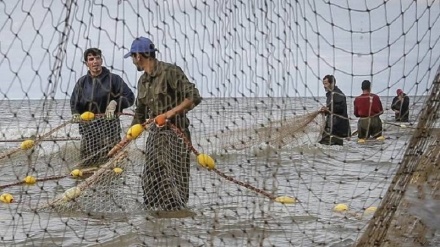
<point>220,173</point>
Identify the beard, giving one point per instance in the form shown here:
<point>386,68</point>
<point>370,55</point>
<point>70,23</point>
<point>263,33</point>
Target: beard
<point>139,68</point>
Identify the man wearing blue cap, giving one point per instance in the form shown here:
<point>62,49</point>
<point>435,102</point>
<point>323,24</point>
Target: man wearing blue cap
<point>163,89</point>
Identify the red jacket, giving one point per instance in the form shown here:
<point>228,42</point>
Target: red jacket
<point>367,105</point>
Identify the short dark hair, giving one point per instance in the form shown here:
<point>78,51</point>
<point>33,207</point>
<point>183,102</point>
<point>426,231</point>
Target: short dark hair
<point>366,85</point>
<point>330,78</point>
<point>93,51</point>
<point>148,54</point>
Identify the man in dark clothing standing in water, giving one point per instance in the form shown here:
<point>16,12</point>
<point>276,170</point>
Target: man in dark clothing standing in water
<point>337,125</point>
<point>400,106</point>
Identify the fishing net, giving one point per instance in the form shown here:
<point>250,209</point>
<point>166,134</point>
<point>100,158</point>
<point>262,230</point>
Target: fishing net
<point>156,178</point>
<point>411,204</point>
<point>98,137</point>
<point>254,63</point>
<point>132,178</point>
<point>295,131</point>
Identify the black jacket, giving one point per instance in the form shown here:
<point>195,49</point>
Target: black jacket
<point>94,94</point>
<point>337,122</point>
<point>402,106</point>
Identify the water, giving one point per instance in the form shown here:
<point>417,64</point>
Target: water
<point>222,213</point>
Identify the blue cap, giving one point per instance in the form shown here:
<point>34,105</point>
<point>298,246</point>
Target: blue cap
<point>141,45</point>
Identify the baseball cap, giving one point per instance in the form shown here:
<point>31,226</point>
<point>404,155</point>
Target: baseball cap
<point>141,45</point>
<point>399,91</point>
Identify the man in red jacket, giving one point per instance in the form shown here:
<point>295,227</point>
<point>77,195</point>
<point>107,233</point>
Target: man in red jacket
<point>368,108</point>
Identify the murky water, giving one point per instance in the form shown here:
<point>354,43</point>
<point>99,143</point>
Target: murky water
<point>220,213</point>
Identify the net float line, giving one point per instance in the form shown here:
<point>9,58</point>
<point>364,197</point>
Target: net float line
<point>30,143</point>
<point>211,167</point>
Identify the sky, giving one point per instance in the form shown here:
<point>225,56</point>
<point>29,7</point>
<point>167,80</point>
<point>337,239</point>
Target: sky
<point>227,48</point>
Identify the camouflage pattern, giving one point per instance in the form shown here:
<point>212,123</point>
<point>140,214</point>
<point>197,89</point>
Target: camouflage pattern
<point>167,168</point>
<point>164,89</point>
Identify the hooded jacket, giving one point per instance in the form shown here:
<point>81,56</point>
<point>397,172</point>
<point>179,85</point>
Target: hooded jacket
<point>94,93</point>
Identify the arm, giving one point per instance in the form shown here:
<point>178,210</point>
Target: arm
<point>395,105</point>
<point>339,103</point>
<point>405,104</point>
<point>356,110</point>
<point>139,113</point>
<point>75,97</point>
<point>186,91</point>
<point>377,108</point>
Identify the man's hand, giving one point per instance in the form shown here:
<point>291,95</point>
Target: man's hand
<point>76,118</point>
<point>110,110</point>
<point>324,109</point>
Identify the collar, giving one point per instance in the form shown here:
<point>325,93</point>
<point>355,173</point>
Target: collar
<point>157,70</point>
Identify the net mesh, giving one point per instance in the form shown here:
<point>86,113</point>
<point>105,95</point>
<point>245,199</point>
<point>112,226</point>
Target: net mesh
<point>134,180</point>
<point>258,66</point>
<point>296,131</point>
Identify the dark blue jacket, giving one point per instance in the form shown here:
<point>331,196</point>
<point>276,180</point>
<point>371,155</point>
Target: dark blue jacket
<point>94,94</point>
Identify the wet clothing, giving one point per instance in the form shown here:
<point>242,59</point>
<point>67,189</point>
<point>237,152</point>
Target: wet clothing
<point>337,124</point>
<point>166,171</point>
<point>368,108</point>
<point>94,94</point>
<point>401,105</point>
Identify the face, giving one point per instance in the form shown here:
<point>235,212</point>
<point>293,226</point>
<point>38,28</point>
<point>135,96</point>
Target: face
<point>327,85</point>
<point>94,64</point>
<point>136,61</point>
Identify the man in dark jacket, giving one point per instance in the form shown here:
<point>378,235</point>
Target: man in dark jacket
<point>400,106</point>
<point>95,92</point>
<point>337,125</point>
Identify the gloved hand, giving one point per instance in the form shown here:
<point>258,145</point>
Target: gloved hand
<point>110,110</point>
<point>76,118</point>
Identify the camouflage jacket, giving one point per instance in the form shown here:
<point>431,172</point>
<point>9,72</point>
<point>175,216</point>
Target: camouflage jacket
<point>162,90</point>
